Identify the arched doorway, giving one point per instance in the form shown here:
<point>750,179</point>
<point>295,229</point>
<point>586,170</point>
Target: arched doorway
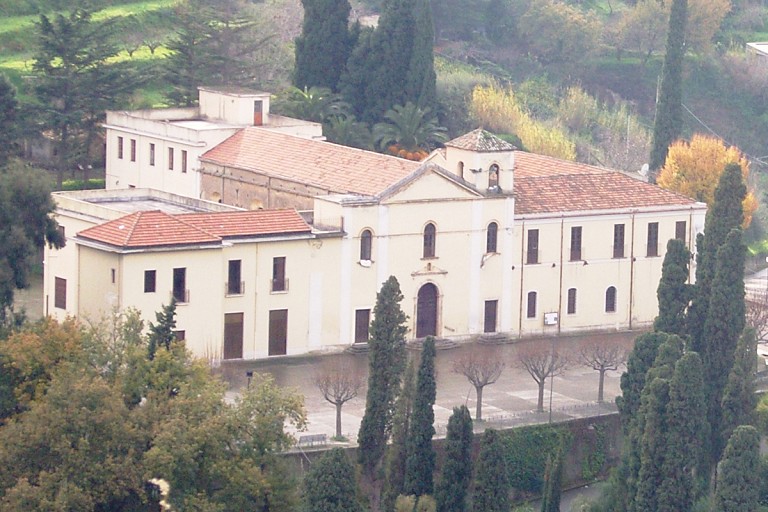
<point>426,311</point>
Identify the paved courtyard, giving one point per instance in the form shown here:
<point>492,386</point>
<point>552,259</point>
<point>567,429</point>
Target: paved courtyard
<point>512,399</point>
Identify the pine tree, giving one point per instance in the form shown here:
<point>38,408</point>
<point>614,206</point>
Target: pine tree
<point>726,213</point>
<point>386,364</point>
<point>397,454</point>
<point>451,491</point>
<point>331,485</point>
<point>738,475</point>
<point>325,43</point>
<point>673,292</point>
<point>9,109</point>
<point>669,110</point>
<point>420,89</point>
<point>653,446</point>
<point>724,325</point>
<point>686,435</point>
<point>553,480</point>
<point>161,334</point>
<point>491,478</point>
<point>739,399</point>
<point>420,464</point>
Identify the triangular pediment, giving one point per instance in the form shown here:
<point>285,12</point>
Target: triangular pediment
<point>430,183</point>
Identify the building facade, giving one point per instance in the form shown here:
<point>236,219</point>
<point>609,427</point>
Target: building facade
<point>484,240</point>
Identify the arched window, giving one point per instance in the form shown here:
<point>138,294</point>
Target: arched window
<point>531,312</point>
<point>460,170</point>
<point>429,241</point>
<point>365,245</point>
<point>493,176</point>
<point>610,299</point>
<point>491,237</point>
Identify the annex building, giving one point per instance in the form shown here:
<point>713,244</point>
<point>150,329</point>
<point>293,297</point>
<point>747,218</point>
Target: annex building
<point>277,242</point>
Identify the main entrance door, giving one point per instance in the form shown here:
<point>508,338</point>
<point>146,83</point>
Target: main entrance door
<point>426,311</point>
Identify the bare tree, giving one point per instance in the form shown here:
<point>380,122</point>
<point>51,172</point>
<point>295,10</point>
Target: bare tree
<point>601,355</point>
<point>757,313</point>
<point>541,363</point>
<point>481,368</point>
<point>339,383</point>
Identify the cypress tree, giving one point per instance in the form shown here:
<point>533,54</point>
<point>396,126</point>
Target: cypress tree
<point>9,109</point>
<point>420,464</point>
<point>673,292</point>
<point>491,478</point>
<point>330,485</point>
<point>653,446</point>
<point>724,325</point>
<point>738,475</point>
<point>161,334</point>
<point>669,110</point>
<point>687,432</point>
<point>386,358</point>
<point>553,481</point>
<point>451,491</point>
<point>725,213</point>
<point>739,399</point>
<point>639,362</point>
<point>325,43</point>
<point>397,453</point>
<point>420,89</point>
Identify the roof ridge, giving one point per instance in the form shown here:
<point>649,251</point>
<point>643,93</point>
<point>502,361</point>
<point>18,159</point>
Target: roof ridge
<point>198,228</point>
<point>138,214</point>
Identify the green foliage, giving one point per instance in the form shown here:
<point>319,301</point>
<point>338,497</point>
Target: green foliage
<point>348,131</point>
<point>420,464</point>
<point>397,453</point>
<point>420,86</point>
<point>316,104</point>
<point>93,183</point>
<point>526,450</point>
<point>633,380</point>
<point>669,110</point>
<point>673,292</point>
<point>9,109</point>
<point>738,473</point>
<point>553,481</point>
<point>653,445</point>
<point>452,489</point>
<point>739,399</point>
<point>325,43</point>
<point>25,226</point>
<point>594,462</point>
<point>492,485</point>
<point>161,335</point>
<point>387,362</point>
<point>556,32</point>
<point>454,85</point>
<point>410,127</point>
<point>331,485</point>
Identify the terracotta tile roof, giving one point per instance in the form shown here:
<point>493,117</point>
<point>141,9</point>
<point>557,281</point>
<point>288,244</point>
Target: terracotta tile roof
<point>250,223</point>
<point>480,140</point>
<point>528,165</point>
<point>338,169</point>
<point>148,229</point>
<point>160,229</point>
<point>581,192</point>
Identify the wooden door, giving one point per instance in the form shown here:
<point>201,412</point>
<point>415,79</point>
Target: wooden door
<point>426,311</point>
<point>278,332</point>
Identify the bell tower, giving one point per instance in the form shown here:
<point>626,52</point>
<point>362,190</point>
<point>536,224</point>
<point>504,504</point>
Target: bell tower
<point>482,159</point>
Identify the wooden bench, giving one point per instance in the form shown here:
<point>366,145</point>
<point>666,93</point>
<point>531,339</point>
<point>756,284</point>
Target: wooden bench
<point>312,439</point>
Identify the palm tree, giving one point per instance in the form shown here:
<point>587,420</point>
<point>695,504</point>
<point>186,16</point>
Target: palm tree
<point>348,131</point>
<point>311,104</point>
<point>409,128</point>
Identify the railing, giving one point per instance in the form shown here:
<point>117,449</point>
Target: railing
<point>181,296</point>
<point>234,288</point>
<point>279,285</point>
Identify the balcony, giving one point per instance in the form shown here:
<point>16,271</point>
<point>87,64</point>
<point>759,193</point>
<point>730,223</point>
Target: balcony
<point>181,296</point>
<point>279,285</point>
<point>234,288</point>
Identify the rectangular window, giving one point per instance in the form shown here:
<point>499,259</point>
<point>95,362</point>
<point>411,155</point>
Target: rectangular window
<point>120,148</point>
<point>62,231</point>
<point>576,243</point>
<point>362,324</point>
<point>151,154</point>
<point>533,246</point>
<point>170,159</point>
<point>571,301</point>
<point>133,150</point>
<point>278,332</point>
<point>60,293</point>
<point>180,335</point>
<point>618,240</point>
<point>233,336</point>
<point>183,160</point>
<point>531,310</point>
<point>180,285</point>
<point>681,230</point>
<point>653,239</point>
<point>150,281</point>
<point>234,282</point>
<point>279,283</point>
<point>114,275</point>
<point>491,309</point>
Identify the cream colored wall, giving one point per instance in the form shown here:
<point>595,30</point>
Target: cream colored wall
<point>232,108</point>
<point>97,294</point>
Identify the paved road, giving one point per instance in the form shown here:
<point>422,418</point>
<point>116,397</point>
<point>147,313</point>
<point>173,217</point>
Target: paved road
<point>512,399</point>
